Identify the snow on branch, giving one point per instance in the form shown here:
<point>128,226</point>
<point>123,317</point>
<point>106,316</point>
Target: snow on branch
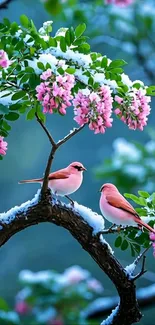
<point>84,225</point>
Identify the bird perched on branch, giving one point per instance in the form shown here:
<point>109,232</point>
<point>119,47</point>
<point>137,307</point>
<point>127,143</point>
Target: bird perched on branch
<point>116,209</point>
<point>64,181</point>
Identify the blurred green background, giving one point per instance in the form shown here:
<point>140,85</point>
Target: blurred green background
<point>47,246</point>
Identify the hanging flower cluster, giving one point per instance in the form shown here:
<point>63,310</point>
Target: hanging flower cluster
<point>55,92</point>
<point>3,146</point>
<point>134,109</point>
<point>94,108</point>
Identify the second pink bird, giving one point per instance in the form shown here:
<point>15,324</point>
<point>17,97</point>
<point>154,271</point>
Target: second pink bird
<point>116,209</point>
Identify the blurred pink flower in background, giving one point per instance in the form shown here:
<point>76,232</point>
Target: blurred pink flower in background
<point>95,285</point>
<point>121,3</point>
<point>22,307</point>
<point>75,274</point>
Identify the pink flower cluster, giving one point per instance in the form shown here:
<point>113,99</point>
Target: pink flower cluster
<point>152,237</point>
<point>134,110</point>
<point>94,109</point>
<point>4,60</point>
<point>120,3</point>
<point>55,92</point>
<point>3,146</point>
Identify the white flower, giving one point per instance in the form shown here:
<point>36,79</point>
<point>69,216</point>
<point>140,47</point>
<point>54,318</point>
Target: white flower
<point>125,149</point>
<point>126,80</point>
<point>136,171</point>
<point>150,146</point>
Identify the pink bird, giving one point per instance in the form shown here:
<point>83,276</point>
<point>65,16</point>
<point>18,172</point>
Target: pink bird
<point>64,181</point>
<point>116,209</point>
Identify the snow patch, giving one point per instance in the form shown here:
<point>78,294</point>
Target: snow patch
<point>9,216</point>
<point>95,220</point>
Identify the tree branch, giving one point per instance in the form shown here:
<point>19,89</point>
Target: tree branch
<point>70,135</point>
<point>53,143</point>
<point>47,209</point>
<point>4,4</point>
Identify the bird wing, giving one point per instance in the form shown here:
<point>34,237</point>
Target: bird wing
<point>121,203</point>
<point>61,174</point>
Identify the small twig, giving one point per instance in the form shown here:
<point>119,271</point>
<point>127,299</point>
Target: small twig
<point>141,255</point>
<point>137,276</point>
<point>13,85</point>
<point>111,230</point>
<point>46,131</point>
<point>69,136</point>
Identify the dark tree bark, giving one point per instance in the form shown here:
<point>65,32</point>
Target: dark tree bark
<point>4,4</point>
<point>48,210</point>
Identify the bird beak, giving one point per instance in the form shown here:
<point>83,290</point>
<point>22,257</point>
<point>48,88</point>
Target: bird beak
<point>84,169</point>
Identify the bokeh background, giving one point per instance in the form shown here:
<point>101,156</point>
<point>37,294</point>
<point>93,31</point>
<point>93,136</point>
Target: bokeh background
<point>119,33</point>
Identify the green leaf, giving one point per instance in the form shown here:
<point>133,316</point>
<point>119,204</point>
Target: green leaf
<point>3,305</point>
<point>40,65</point>
<point>68,37</point>
<point>12,116</point>
<point>4,109</point>
<point>116,70</point>
<point>150,91</point>
<point>80,30</point>
<point>63,44</point>
<point>117,63</point>
<point>104,62</point>
<point>18,95</point>
<point>31,114</point>
<point>132,197</point>
<point>72,34</point>
<point>124,245</point>
<point>70,70</point>
<point>52,42</point>
<point>24,21</point>
<point>6,126</point>
<point>42,116</point>
<point>118,241</point>
<point>132,250</point>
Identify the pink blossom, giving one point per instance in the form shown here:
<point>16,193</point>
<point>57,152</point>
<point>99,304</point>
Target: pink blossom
<point>134,110</point>
<point>3,146</point>
<point>22,307</point>
<point>94,109</point>
<point>152,236</point>
<point>4,60</point>
<point>95,285</point>
<point>75,274</point>
<point>55,92</point>
<point>46,74</point>
<point>121,3</point>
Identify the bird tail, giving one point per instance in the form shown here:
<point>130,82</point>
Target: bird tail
<point>145,225</point>
<point>36,180</point>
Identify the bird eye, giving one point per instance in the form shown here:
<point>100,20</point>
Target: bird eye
<point>77,167</point>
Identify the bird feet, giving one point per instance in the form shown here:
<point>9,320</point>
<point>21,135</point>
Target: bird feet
<point>71,201</point>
